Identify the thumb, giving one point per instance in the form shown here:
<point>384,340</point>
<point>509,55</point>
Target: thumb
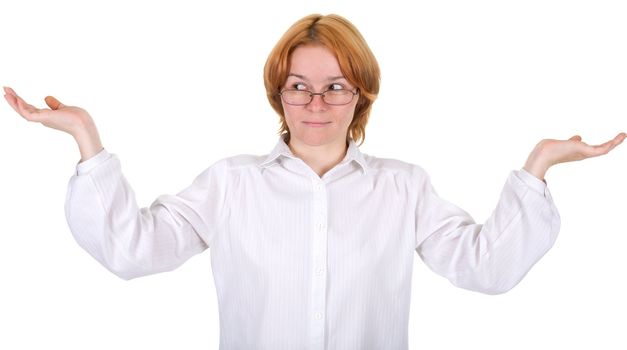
<point>575,138</point>
<point>53,103</point>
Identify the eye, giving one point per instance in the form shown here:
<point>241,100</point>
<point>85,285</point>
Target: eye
<point>336,86</point>
<point>299,86</point>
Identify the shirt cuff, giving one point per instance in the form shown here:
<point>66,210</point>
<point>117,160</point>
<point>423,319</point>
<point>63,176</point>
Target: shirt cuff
<point>90,163</point>
<point>532,181</point>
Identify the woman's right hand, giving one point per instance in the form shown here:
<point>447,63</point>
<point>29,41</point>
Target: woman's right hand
<point>59,116</point>
<point>73,120</point>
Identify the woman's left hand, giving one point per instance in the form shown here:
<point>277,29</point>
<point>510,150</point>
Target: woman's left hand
<point>549,152</point>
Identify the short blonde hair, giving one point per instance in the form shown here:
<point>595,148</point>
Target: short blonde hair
<point>356,61</point>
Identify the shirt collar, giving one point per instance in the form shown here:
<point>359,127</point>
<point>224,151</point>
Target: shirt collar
<point>282,149</point>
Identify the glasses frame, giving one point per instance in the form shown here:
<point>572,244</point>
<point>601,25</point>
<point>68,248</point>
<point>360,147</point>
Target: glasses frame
<point>322,94</point>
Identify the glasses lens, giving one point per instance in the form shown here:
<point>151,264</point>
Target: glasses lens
<point>295,97</point>
<point>338,97</point>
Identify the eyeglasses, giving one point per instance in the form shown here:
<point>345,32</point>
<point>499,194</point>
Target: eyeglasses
<point>331,97</point>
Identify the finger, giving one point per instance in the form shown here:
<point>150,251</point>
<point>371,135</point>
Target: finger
<point>604,148</point>
<point>21,107</point>
<point>615,141</point>
<point>17,104</point>
<point>595,151</point>
<point>24,109</point>
<point>11,91</point>
<point>30,112</point>
<point>20,101</point>
<point>575,138</point>
<point>618,140</point>
<point>25,106</point>
<point>53,103</point>
<point>12,101</point>
<point>27,111</point>
<point>11,97</point>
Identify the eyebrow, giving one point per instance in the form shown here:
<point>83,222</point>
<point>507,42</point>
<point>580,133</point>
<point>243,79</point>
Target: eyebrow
<point>303,77</point>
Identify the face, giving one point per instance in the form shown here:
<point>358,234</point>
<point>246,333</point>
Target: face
<point>316,69</point>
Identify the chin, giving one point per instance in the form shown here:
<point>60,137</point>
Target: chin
<point>315,139</point>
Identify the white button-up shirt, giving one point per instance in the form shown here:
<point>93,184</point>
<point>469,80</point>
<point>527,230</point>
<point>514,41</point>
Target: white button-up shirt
<point>308,262</point>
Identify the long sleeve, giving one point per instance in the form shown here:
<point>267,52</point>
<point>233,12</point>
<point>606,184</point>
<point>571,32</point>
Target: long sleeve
<point>492,257</point>
<point>105,220</point>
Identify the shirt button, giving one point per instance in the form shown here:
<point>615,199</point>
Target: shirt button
<point>318,187</point>
<point>319,271</point>
<point>318,315</point>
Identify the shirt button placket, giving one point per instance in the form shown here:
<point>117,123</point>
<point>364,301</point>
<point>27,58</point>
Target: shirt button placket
<point>319,263</point>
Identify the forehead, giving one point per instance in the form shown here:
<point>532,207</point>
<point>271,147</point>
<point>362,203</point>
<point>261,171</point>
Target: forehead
<point>314,62</point>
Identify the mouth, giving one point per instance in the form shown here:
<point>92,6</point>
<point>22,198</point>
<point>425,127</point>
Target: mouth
<point>316,124</point>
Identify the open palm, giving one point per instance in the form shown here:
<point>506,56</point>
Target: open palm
<point>550,152</point>
<point>70,119</point>
<point>575,149</point>
<point>59,116</point>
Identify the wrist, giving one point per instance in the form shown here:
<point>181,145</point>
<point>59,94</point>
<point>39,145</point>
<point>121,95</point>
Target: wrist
<point>88,141</point>
<point>535,171</point>
<point>536,165</point>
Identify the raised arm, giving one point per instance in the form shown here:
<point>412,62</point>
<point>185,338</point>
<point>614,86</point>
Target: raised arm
<point>102,211</point>
<point>493,257</point>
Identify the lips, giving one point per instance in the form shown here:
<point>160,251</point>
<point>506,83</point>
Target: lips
<point>316,124</point>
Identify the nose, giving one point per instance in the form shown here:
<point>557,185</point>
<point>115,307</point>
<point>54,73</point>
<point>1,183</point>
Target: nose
<point>317,104</point>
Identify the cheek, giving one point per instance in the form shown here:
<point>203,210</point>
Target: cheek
<point>349,113</point>
<point>290,113</point>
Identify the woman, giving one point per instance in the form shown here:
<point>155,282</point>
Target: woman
<point>313,243</point>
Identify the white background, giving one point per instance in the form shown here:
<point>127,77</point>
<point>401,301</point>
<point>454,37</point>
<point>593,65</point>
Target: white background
<point>468,89</point>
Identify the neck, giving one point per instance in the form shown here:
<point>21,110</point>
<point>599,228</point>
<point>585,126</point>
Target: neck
<point>319,158</point>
